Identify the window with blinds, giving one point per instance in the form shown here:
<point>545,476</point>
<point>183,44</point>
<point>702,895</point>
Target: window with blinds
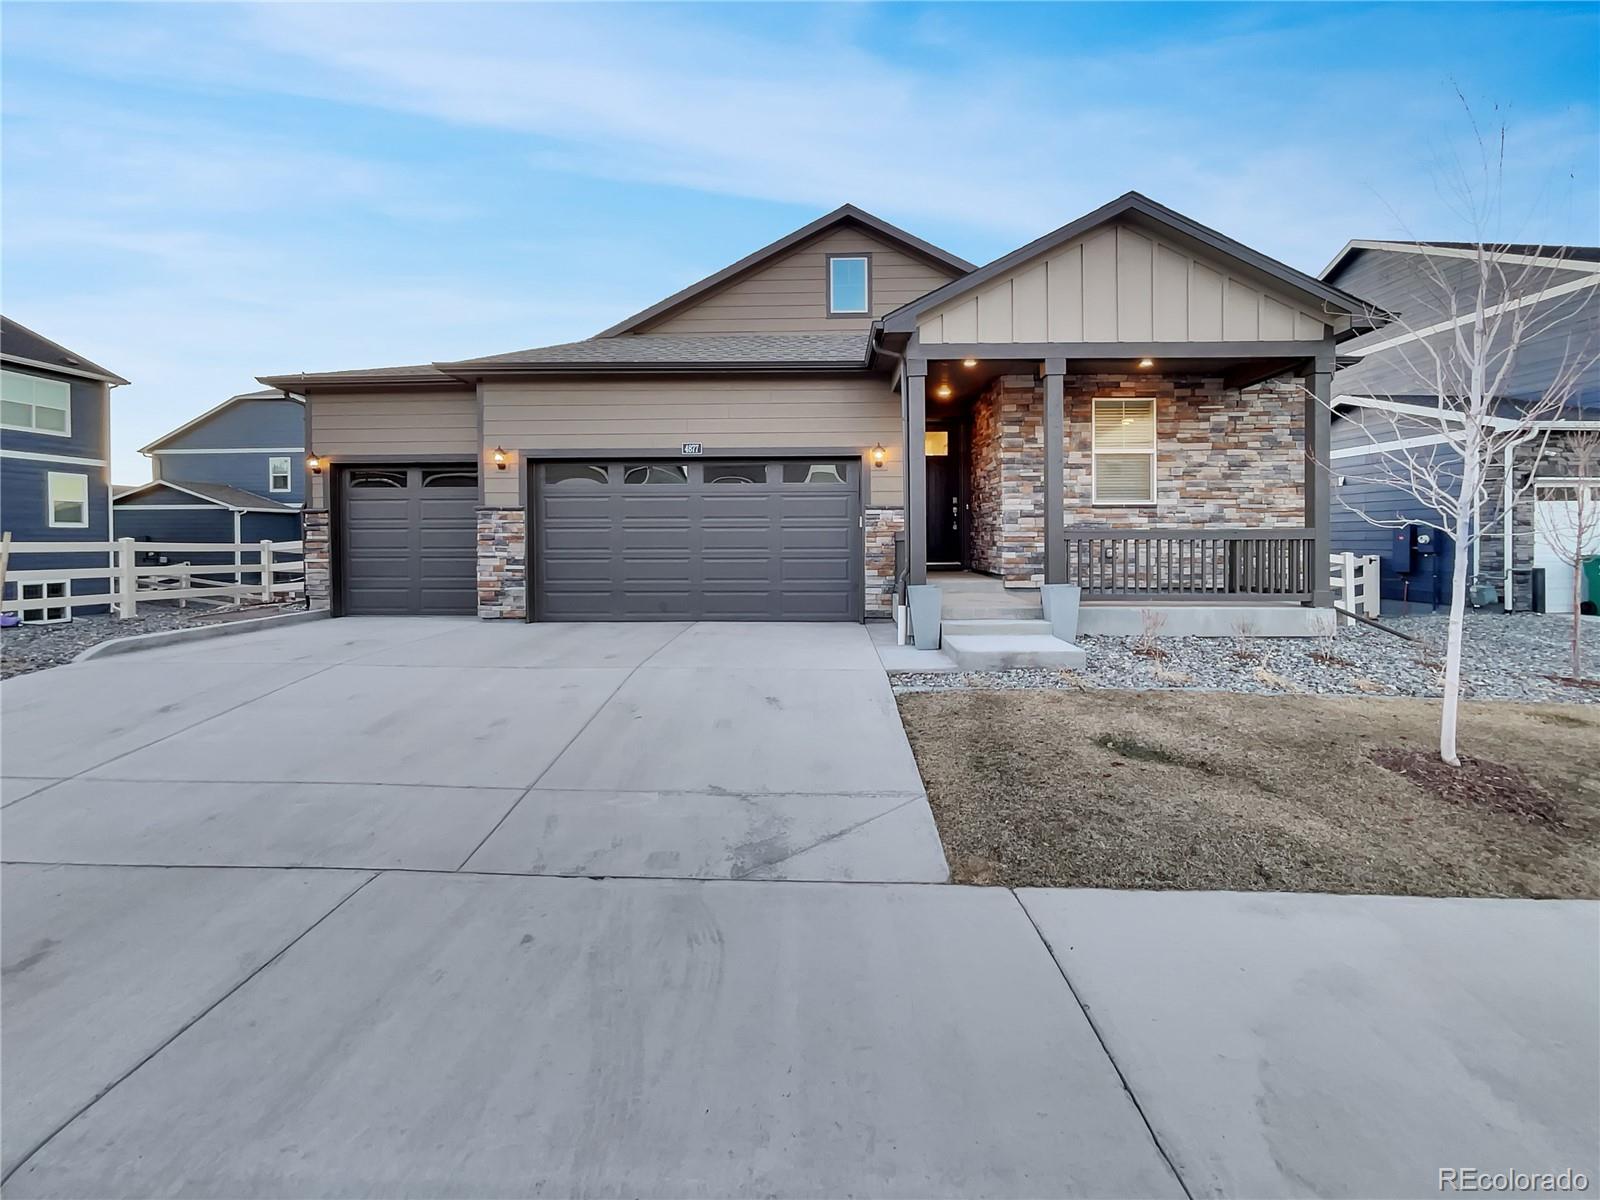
<point>1124,451</point>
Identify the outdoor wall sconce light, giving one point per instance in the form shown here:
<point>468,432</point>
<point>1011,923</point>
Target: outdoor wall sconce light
<point>1147,363</point>
<point>499,458</point>
<point>969,362</point>
<point>314,465</point>
<point>879,455</point>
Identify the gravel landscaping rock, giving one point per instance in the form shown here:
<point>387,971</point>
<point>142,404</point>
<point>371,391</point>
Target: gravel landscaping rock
<point>27,648</point>
<point>1505,657</point>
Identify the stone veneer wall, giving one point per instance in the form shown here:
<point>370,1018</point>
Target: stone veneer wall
<point>316,535</point>
<point>1223,458</point>
<point>502,564</point>
<point>882,525</point>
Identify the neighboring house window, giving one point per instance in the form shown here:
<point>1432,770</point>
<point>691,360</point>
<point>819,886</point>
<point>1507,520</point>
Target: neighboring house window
<point>40,405</point>
<point>68,498</point>
<point>1124,451</point>
<point>848,284</point>
<point>278,474</point>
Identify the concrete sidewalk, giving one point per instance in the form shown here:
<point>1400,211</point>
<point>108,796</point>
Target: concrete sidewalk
<point>330,1033</point>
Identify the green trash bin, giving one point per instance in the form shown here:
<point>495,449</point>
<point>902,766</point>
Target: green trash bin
<point>1591,578</point>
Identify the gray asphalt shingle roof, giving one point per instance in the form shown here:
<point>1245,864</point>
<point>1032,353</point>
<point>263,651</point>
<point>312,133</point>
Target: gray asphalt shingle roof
<point>218,493</point>
<point>689,349</point>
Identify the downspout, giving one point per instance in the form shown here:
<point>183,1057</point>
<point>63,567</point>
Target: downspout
<point>238,558</point>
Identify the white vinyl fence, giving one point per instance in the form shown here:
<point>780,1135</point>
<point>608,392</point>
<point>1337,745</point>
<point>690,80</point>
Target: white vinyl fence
<point>1355,583</point>
<point>278,569</point>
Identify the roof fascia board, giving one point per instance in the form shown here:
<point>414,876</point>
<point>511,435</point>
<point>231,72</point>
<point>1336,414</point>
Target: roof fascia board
<point>98,377</point>
<point>592,370</point>
<point>840,215</point>
<point>432,381</point>
<point>1555,424</point>
<point>904,319</point>
<point>91,369</point>
<point>1531,260</point>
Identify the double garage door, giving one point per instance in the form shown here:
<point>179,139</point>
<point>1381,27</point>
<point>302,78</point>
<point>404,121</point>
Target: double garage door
<point>708,539</point>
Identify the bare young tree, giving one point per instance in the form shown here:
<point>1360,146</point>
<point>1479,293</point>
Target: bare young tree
<point>1446,426</point>
<point>1571,525</point>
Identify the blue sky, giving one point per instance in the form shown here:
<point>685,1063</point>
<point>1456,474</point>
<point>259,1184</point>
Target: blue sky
<point>195,194</point>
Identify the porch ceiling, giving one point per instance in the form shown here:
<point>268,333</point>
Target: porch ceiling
<point>966,382</point>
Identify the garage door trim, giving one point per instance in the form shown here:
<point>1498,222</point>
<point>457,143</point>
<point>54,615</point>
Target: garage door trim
<point>532,460</point>
<point>335,471</point>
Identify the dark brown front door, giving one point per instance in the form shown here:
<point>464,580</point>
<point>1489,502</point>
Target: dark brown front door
<point>944,511</point>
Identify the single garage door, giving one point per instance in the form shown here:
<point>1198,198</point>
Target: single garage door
<point>1558,522</point>
<point>410,540</point>
<point>709,539</point>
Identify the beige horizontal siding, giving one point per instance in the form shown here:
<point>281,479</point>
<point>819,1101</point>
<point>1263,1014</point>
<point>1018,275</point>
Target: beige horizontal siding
<point>790,295</point>
<point>849,414</point>
<point>415,424</point>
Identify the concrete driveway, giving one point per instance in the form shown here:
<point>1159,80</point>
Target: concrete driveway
<point>678,750</point>
<point>243,958</point>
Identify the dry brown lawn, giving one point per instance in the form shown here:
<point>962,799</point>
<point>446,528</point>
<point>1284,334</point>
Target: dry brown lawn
<point>1205,790</point>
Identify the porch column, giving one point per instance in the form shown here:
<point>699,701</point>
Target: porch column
<point>1055,499</point>
<point>916,391</point>
<point>1319,491</point>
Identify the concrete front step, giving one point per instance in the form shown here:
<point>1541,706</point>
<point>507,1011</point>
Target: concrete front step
<point>1008,651</point>
<point>984,608</point>
<point>1006,627</point>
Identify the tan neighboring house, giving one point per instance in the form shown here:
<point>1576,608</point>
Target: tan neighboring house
<point>1129,403</point>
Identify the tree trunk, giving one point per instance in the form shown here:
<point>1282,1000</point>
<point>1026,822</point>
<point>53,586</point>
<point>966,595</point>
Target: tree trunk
<point>1458,613</point>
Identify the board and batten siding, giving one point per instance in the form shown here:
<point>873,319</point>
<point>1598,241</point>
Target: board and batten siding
<point>1121,284</point>
<point>789,294</point>
<point>418,425</point>
<point>722,414</point>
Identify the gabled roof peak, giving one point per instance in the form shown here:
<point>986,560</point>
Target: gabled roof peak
<point>841,215</point>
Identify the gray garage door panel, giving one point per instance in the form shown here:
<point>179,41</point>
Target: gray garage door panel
<point>754,541</point>
<point>410,540</point>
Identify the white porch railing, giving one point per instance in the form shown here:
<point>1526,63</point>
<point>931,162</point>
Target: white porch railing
<point>1355,583</point>
<point>132,581</point>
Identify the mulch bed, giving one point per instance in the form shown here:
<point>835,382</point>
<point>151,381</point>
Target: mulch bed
<point>1476,782</point>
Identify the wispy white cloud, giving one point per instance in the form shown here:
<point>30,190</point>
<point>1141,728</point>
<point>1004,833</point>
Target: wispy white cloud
<point>297,185</point>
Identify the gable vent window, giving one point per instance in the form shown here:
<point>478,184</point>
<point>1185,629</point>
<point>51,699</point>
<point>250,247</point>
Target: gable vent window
<point>277,474</point>
<point>849,284</point>
<point>1124,451</point>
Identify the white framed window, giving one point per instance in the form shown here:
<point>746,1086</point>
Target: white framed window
<point>67,500</point>
<point>278,474</point>
<point>35,404</point>
<point>45,612</point>
<point>849,284</point>
<point>1124,450</point>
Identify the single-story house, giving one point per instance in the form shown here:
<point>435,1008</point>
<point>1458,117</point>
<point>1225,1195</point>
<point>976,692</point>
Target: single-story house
<point>1132,403</point>
<point>1531,493</point>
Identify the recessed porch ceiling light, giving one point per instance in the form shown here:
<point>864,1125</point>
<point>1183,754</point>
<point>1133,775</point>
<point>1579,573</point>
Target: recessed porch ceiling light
<point>942,391</point>
<point>969,362</point>
<point>1147,362</point>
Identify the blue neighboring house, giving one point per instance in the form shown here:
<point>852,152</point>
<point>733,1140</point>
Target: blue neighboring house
<point>235,473</point>
<point>1375,408</point>
<point>55,436</point>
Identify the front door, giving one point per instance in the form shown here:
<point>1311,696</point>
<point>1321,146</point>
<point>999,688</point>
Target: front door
<point>944,501</point>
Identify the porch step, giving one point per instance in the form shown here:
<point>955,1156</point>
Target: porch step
<point>1008,651</point>
<point>996,606</point>
<point>997,627</point>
